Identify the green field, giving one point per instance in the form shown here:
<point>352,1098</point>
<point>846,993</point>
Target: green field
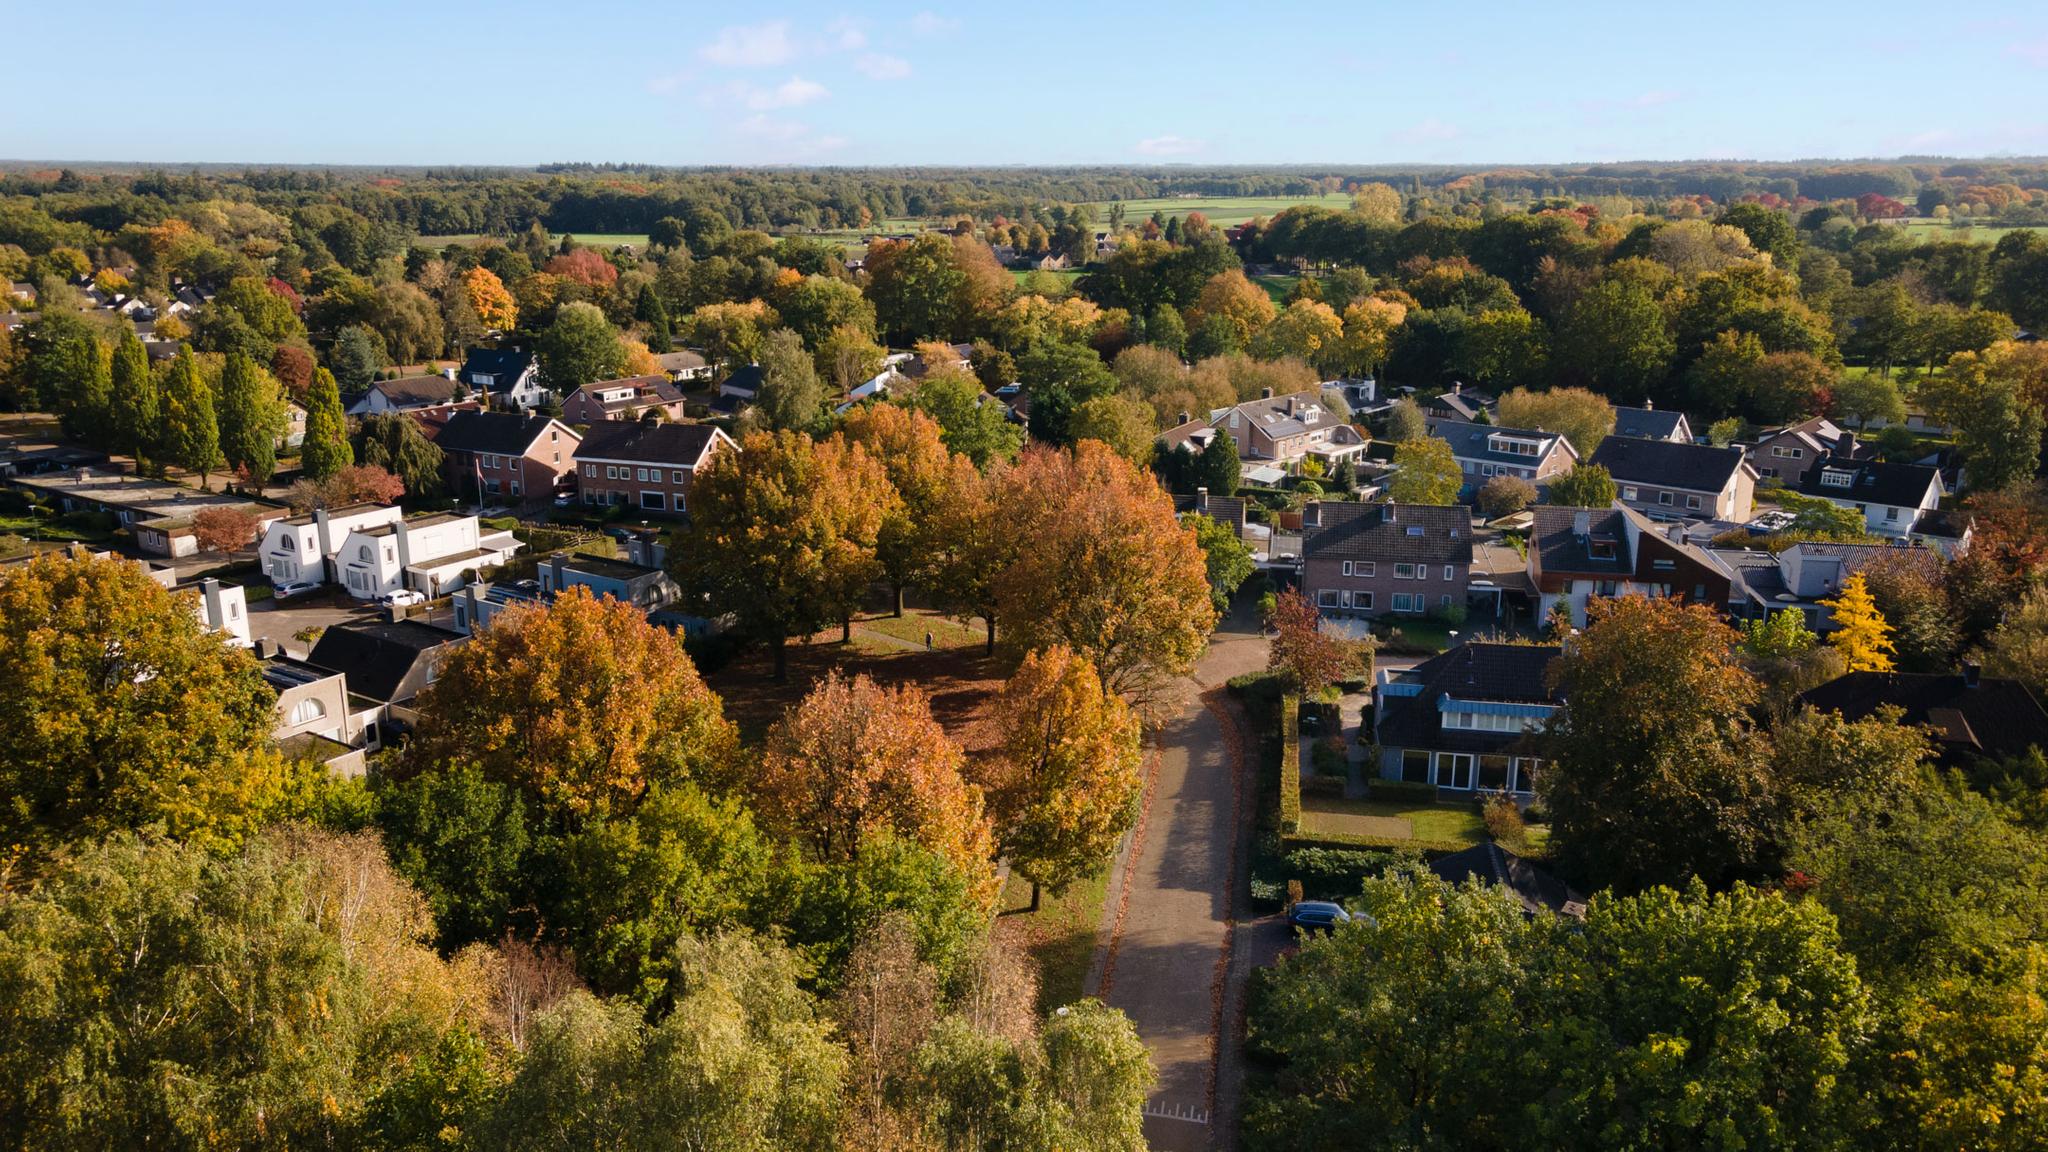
<point>1923,228</point>
<point>1222,211</point>
<point>590,239</point>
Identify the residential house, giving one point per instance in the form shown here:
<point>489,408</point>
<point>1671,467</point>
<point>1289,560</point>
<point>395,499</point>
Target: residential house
<point>387,663</point>
<point>1229,511</point>
<point>1679,480</point>
<point>1280,432</point>
<point>641,579</point>
<point>1650,423</point>
<point>645,466</point>
<point>22,291</point>
<point>739,390</point>
<point>1578,554</point>
<point>1788,452</point>
<point>1971,715</point>
<point>1357,392</point>
<point>1366,560</point>
<point>684,364</point>
<point>506,457</point>
<point>1534,889</point>
<point>1893,498</point>
<point>407,394</point>
<point>157,511</point>
<point>634,398</point>
<point>1465,405</point>
<point>1801,576</point>
<point>300,548</point>
<point>1057,261</point>
<point>294,425</point>
<point>316,717</point>
<point>1484,451</point>
<point>1462,720</point>
<point>433,553</point>
<point>510,377</point>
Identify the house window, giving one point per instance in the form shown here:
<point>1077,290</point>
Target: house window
<point>363,553</point>
<point>1362,601</point>
<point>1347,567</point>
<point>1664,565</point>
<point>1415,766</point>
<point>1408,602</point>
<point>515,487</point>
<point>1692,503</point>
<point>305,712</point>
<point>1450,573</point>
<point>1364,567</point>
<point>1524,779</point>
<point>1326,598</point>
<point>1629,493</point>
<point>677,476</point>
<point>589,496</point>
<point>1606,588</point>
<point>653,500</point>
<point>492,486</point>
<point>1664,498</point>
<point>1444,601</point>
<point>1784,453</point>
<point>1891,514</point>
<point>1406,572</point>
<point>590,470</point>
<point>1454,770</point>
<point>1493,773</point>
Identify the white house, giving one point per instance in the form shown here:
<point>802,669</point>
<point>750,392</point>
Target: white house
<point>302,548</point>
<point>1892,498</point>
<point>433,554</point>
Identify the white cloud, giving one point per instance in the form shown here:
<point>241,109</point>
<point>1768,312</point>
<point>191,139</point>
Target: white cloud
<point>1169,146</point>
<point>876,66</point>
<point>933,24</point>
<point>791,93</point>
<point>845,35</point>
<point>750,46</point>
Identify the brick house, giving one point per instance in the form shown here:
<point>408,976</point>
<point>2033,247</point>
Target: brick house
<point>505,457</point>
<point>1284,429</point>
<point>1364,560</point>
<point>1652,423</point>
<point>630,399</point>
<point>1788,452</point>
<point>648,466</point>
<point>1579,554</point>
<point>1668,480</point>
<point>1484,451</point>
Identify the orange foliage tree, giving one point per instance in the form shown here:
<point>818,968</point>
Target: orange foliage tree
<point>582,705</point>
<point>585,266</point>
<point>909,445</point>
<point>854,760</point>
<point>1068,783</point>
<point>225,529</point>
<point>493,302</point>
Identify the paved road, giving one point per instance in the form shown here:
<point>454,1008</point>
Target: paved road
<point>1166,922</point>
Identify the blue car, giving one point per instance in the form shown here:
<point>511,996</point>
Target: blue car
<point>1312,916</point>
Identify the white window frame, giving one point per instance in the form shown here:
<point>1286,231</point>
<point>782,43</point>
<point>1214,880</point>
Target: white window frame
<point>1692,503</point>
<point>1326,598</point>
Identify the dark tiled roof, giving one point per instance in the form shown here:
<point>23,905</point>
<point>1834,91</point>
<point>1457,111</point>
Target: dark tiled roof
<point>1537,890</point>
<point>1506,673</point>
<point>1994,718</point>
<point>1646,423</point>
<point>1563,539</point>
<point>416,391</point>
<point>1469,441</point>
<point>495,433</point>
<point>745,378</point>
<point>1225,509</point>
<point>670,445</point>
<point>1692,467</point>
<point>505,365</point>
<point>681,360</point>
<point>1289,415</point>
<point>1462,405</point>
<point>647,390</point>
<point>1871,482</point>
<point>377,656</point>
<point>1418,533</point>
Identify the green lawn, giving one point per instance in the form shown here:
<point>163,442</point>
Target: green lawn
<point>1069,275</point>
<point>1222,211</point>
<point>1060,936</point>
<point>1924,228</point>
<point>1277,286</point>
<point>1325,816</point>
<point>911,627</point>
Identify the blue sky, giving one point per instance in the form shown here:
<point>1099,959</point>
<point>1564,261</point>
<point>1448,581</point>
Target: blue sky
<point>1048,82</point>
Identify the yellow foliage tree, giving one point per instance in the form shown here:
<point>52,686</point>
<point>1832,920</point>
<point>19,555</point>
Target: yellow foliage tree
<point>488,295</point>
<point>1862,634</point>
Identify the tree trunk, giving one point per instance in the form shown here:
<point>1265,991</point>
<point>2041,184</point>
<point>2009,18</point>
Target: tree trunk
<point>1034,895</point>
<point>846,629</point>
<point>781,661</point>
<point>990,648</point>
<point>899,601</point>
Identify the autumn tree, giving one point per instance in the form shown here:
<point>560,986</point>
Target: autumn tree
<point>1369,327</point>
<point>1861,633</point>
<point>1654,773</point>
<point>1122,423</point>
<point>489,297</point>
<point>225,528</point>
<point>191,430</point>
<point>1425,472</point>
<point>582,705</point>
<point>921,470</point>
<point>252,417</point>
<point>856,760</point>
<point>1102,567</point>
<point>355,484</point>
<point>1505,496</point>
<point>1313,660</point>
<point>1585,486</point>
<point>1067,783</point>
<point>783,534</point>
<point>972,545</point>
<point>848,357</point>
<point>393,441</point>
<point>325,450</point>
<point>1582,417</point>
<point>123,712</point>
<point>1233,301</point>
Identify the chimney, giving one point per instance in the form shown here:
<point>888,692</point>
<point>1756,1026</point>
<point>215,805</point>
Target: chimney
<point>1184,417</point>
<point>1649,405</point>
<point>1265,393</point>
<point>404,550</point>
<point>209,589</point>
<point>657,553</point>
<point>1582,523</point>
<point>1201,499</point>
<point>448,373</point>
<point>1311,514</point>
<point>1390,513</point>
<point>1972,673</point>
<point>267,649</point>
<point>395,613</point>
<point>554,583</point>
<point>321,533</point>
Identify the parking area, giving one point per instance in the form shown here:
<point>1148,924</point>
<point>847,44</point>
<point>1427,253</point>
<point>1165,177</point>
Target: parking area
<point>291,623</point>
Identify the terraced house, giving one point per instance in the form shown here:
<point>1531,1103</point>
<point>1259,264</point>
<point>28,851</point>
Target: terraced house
<point>645,466</point>
<point>1577,555</point>
<point>1669,480</point>
<point>1366,560</point>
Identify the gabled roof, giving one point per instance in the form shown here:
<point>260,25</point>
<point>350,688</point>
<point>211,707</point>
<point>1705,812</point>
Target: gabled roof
<point>681,360</point>
<point>1649,423</point>
<point>504,365</point>
<point>1289,415</point>
<point>416,391</point>
<point>746,378</point>
<point>1388,533</point>
<point>1228,510</point>
<point>1992,718</point>
<point>1469,441</point>
<point>494,433</point>
<point>670,445</point>
<point>1535,889</point>
<point>1194,435</point>
<point>376,656</point>
<point>1475,671</point>
<point>1872,482</point>
<point>1465,404</point>
<point>1605,543</point>
<point>1666,464</point>
<point>647,390</point>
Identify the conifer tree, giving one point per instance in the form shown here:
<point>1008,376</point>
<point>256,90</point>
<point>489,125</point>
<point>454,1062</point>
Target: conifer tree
<point>191,430</point>
<point>135,403</point>
<point>326,450</point>
<point>251,417</point>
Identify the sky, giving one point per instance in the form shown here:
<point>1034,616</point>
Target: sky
<point>1046,82</point>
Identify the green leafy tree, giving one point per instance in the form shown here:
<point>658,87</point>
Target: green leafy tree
<point>393,441</point>
<point>135,403</point>
<point>650,312</point>
<point>325,450</point>
<point>358,357</point>
<point>1582,417</point>
<point>252,417</point>
<point>970,422</point>
<point>579,347</point>
<point>1425,472</point>
<point>792,397</point>
<point>1060,377</point>
<point>63,371</point>
<point>461,839</point>
<point>1615,341</point>
<point>191,429</point>
<point>1228,560</point>
<point>1768,230</point>
<point>1783,635</point>
<point>1585,486</point>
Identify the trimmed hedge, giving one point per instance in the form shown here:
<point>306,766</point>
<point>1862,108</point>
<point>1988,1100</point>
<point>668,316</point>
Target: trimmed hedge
<point>1380,789</point>
<point>1290,764</point>
<point>1427,849</point>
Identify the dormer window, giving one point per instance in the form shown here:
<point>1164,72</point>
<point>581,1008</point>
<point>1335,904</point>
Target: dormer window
<point>1600,549</point>
<point>1832,478</point>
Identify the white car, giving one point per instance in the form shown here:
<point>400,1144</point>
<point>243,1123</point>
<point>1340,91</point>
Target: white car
<point>291,588</point>
<point>402,598</point>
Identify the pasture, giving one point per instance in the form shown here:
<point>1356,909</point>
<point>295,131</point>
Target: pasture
<point>1222,211</point>
<point>1928,228</point>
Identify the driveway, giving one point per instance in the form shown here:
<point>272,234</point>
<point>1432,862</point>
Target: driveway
<point>269,620</point>
<point>1166,932</point>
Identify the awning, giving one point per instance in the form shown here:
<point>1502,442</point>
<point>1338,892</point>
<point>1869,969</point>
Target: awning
<point>1447,703</point>
<point>1265,475</point>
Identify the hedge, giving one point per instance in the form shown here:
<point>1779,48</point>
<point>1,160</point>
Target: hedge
<point>1428,849</point>
<point>1380,789</point>
<point>1290,764</point>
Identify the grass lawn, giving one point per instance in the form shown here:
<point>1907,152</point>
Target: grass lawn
<point>947,633</point>
<point>1222,211</point>
<point>1060,936</point>
<point>1426,634</point>
<point>50,528</point>
<point>1068,274</point>
<point>1322,815</point>
<point>1925,228</point>
<point>1277,286</point>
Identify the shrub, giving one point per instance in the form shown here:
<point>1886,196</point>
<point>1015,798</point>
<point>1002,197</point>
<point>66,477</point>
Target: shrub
<point>1402,790</point>
<point>1451,617</point>
<point>1293,893</point>
<point>1504,824</point>
<point>1335,873</point>
<point>1290,764</point>
<point>1328,757</point>
<point>1331,786</point>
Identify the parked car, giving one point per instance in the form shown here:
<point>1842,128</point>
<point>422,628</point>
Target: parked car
<point>291,588</point>
<point>402,598</point>
<point>1312,916</point>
